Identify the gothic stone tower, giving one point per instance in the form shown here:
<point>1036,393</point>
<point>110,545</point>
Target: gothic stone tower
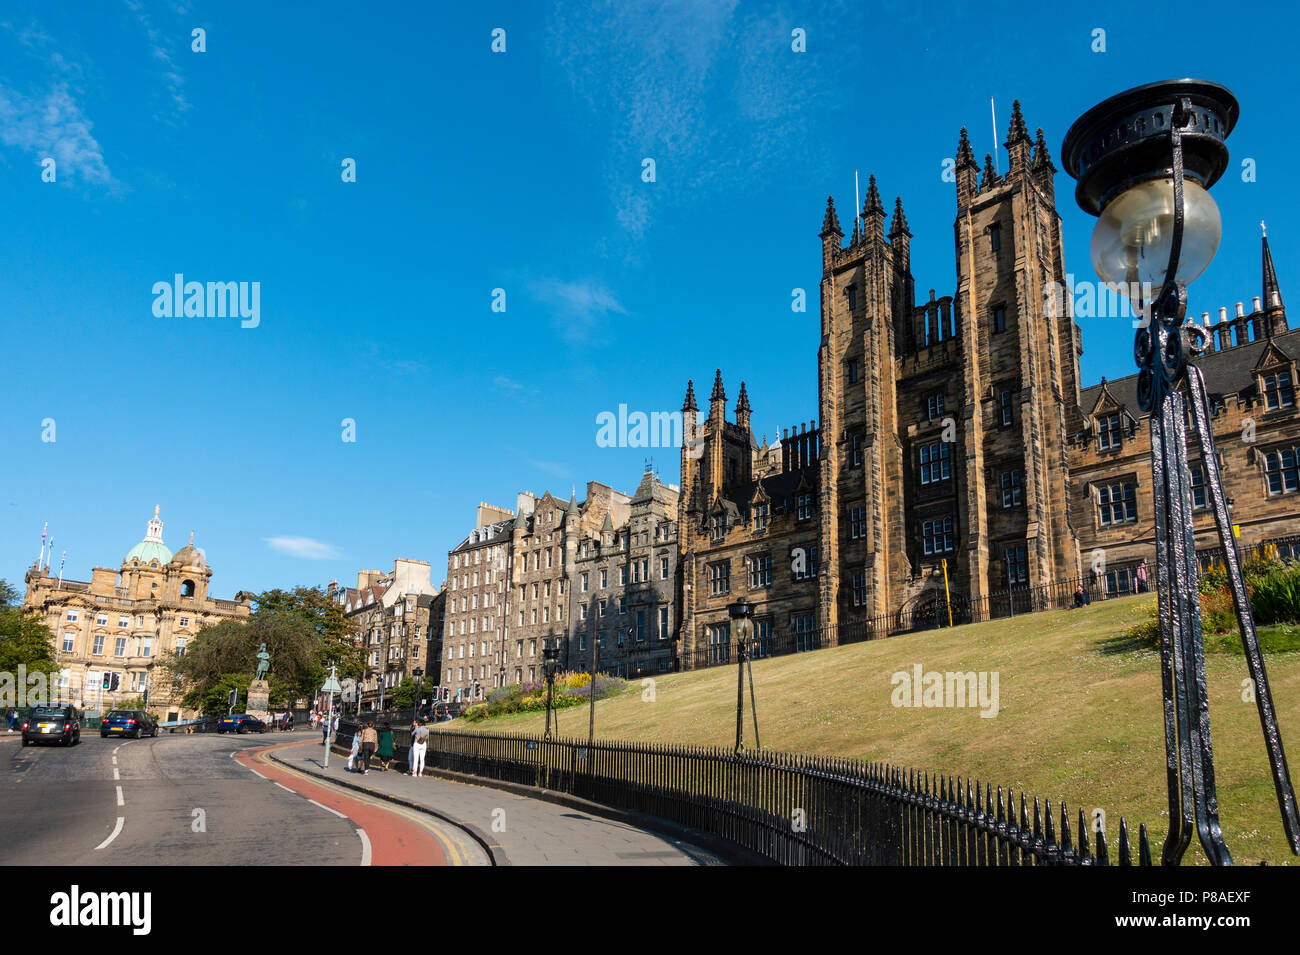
<point>1019,353</point>
<point>944,424</point>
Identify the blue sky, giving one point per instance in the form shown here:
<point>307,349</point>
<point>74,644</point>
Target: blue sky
<point>477,170</point>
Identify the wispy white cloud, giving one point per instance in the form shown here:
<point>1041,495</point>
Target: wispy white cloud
<point>53,124</point>
<point>553,468</point>
<point>709,91</point>
<point>578,305</point>
<point>305,548</point>
<point>171,73</point>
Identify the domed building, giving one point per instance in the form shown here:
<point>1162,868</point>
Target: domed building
<point>123,623</point>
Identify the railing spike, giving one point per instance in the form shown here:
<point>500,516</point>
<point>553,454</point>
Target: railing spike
<point>1084,854</point>
<point>1066,845</point>
<point>1122,850</point>
<point>1144,847</point>
<point>1103,857</point>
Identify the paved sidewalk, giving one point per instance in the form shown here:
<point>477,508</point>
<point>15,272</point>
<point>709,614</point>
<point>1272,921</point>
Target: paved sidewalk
<point>520,830</point>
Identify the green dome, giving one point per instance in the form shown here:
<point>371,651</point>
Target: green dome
<point>152,547</point>
<point>147,551</point>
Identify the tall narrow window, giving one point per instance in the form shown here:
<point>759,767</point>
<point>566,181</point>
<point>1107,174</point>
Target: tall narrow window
<point>1000,318</point>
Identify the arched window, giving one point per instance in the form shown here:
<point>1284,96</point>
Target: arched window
<point>187,588</point>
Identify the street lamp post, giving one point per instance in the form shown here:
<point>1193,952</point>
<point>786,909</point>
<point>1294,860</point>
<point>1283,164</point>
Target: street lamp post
<point>550,662</point>
<point>1144,160</point>
<point>418,673</point>
<point>742,622</point>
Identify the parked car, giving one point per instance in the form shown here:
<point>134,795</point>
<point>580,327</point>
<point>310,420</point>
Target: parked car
<point>240,723</point>
<point>52,724</point>
<point>133,723</point>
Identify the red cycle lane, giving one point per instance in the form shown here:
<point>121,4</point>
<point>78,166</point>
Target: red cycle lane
<point>394,839</point>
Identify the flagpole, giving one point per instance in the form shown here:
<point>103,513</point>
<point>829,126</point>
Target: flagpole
<point>997,165</point>
<point>40,560</point>
<point>857,201</point>
<point>62,561</point>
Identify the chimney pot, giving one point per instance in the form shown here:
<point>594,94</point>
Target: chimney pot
<point>1240,311</point>
<point>1255,303</point>
<point>1223,313</point>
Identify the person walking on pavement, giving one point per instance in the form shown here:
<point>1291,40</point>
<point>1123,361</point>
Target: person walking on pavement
<point>356,751</point>
<point>385,751</point>
<point>419,746</point>
<point>369,743</point>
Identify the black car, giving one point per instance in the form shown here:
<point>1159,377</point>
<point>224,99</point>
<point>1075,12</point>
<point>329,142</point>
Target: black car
<point>52,724</point>
<point>240,723</point>
<point>133,723</point>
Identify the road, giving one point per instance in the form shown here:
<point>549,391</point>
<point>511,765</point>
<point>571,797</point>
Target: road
<point>199,800</point>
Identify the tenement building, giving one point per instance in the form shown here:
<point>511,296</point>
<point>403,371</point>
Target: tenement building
<point>396,619</point>
<point>123,625</point>
<point>474,622</point>
<point>954,446</point>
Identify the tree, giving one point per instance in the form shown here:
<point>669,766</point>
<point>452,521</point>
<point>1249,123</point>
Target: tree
<point>25,640</point>
<point>303,631</point>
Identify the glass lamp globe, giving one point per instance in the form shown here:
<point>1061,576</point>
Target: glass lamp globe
<point>1131,243</point>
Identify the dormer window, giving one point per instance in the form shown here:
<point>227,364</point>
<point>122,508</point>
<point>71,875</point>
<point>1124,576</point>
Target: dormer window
<point>760,517</point>
<point>1109,437</point>
<point>719,527</point>
<point>1279,391</point>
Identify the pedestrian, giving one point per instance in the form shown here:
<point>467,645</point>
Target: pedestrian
<point>1142,577</point>
<point>386,745</point>
<point>12,713</point>
<point>1079,594</point>
<point>369,743</point>
<point>356,750</point>
<point>419,745</point>
<point>325,732</point>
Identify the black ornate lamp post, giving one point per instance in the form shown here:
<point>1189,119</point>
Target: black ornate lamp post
<point>742,624</point>
<point>1144,160</point>
<point>550,663</point>
<point>418,673</point>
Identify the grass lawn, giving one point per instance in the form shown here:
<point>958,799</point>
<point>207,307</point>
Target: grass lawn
<point>1079,717</point>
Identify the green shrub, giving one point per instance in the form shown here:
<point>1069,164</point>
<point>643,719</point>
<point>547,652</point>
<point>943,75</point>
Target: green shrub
<point>1275,594</point>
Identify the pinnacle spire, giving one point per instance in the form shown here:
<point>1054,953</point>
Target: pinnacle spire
<point>831,223</point>
<point>689,403</point>
<point>742,403</point>
<point>1272,291</point>
<point>899,226</point>
<point>990,176</point>
<point>1017,132</point>
<point>1042,158</point>
<point>965,155</point>
<point>872,203</point>
<point>719,394</point>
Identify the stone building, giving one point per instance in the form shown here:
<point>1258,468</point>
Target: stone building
<point>624,580</point>
<point>396,617</point>
<point>125,622</point>
<point>474,621</point>
<point>953,441</point>
<point>1250,378</point>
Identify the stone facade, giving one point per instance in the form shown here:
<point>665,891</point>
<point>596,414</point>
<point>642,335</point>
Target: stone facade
<point>396,618</point>
<point>128,621</point>
<point>953,435</point>
<point>474,621</point>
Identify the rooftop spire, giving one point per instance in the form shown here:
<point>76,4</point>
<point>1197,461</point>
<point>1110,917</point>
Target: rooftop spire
<point>899,226</point>
<point>1017,132</point>
<point>965,155</point>
<point>719,394</point>
<point>1042,158</point>
<point>689,403</point>
<point>1272,292</point>
<point>742,403</point>
<point>872,203</point>
<point>831,223</point>
<point>990,176</point>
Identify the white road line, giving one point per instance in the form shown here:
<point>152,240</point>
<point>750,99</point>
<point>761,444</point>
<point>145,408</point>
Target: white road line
<point>120,800</point>
<point>114,760</point>
<point>116,774</point>
<point>255,772</point>
<point>121,821</point>
<point>327,808</point>
<point>285,788</point>
<point>116,748</point>
<point>365,847</point>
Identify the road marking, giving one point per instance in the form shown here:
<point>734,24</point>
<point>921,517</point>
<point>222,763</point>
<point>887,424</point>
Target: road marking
<point>116,748</point>
<point>327,808</point>
<point>365,847</point>
<point>114,760</point>
<point>282,786</point>
<point>116,774</point>
<point>120,800</point>
<point>121,821</point>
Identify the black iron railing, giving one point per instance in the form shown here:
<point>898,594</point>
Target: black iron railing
<point>932,614</point>
<point>795,809</point>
